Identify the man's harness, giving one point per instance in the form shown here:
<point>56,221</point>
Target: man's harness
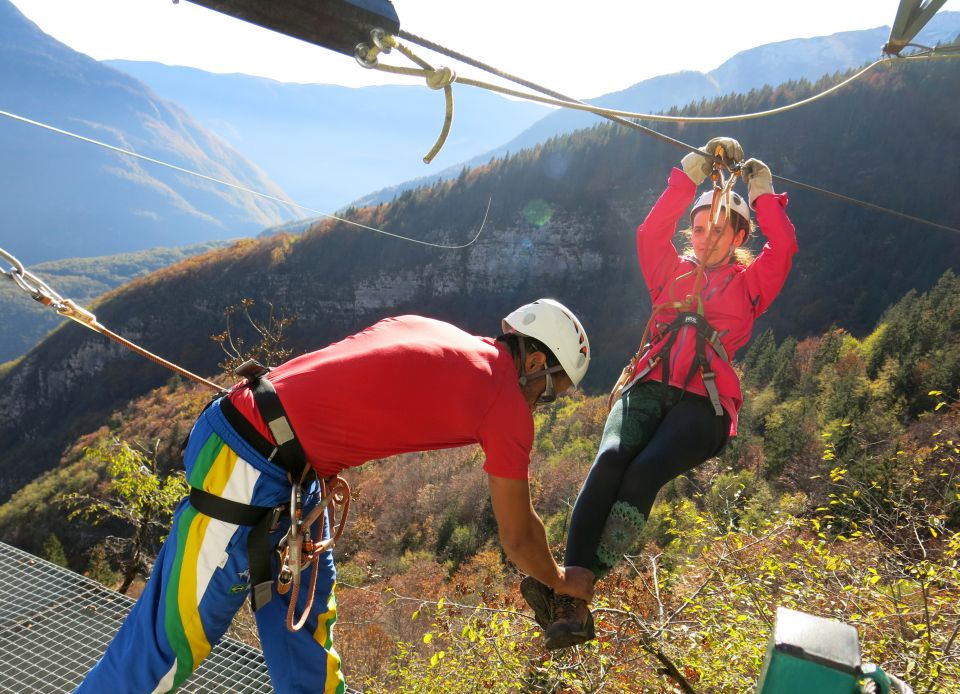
<point>302,544</point>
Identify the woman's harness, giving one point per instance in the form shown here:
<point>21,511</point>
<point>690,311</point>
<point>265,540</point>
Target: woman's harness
<point>301,545</point>
<point>705,334</point>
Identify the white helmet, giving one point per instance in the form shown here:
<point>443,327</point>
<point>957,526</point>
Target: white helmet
<point>737,203</point>
<point>554,325</point>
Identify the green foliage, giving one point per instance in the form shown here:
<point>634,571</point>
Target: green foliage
<point>137,492</point>
<point>463,543</point>
<point>137,496</point>
<point>696,609</point>
<point>786,434</point>
<point>53,551</point>
<point>100,569</point>
<point>760,360</point>
<point>26,519</point>
<point>786,371</point>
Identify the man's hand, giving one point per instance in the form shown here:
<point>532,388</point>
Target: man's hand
<point>577,581</point>
<point>521,530</point>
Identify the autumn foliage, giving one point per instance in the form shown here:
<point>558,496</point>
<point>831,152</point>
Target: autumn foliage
<point>840,497</point>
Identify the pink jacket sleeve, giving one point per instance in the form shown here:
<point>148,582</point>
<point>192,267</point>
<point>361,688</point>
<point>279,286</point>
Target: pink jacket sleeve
<point>655,250</point>
<point>766,275</point>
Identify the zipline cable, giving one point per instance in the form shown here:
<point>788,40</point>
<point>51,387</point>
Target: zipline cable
<point>564,101</point>
<point>41,292</point>
<point>241,188</point>
<point>868,205</point>
<point>567,100</point>
<point>619,117</point>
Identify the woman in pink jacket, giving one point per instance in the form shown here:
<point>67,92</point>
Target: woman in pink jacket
<point>677,404</point>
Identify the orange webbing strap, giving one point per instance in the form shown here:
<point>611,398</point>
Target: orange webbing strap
<point>302,549</point>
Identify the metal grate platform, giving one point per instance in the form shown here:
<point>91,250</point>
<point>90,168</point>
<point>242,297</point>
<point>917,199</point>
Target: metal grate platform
<point>55,624</point>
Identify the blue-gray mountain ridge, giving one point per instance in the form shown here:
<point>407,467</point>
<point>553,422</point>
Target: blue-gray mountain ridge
<point>325,144</point>
<point>64,198</point>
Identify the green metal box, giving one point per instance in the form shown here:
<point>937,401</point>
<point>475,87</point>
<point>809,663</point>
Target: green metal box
<point>811,654</point>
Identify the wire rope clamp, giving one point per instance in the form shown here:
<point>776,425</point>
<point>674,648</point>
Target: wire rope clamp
<point>69,309</point>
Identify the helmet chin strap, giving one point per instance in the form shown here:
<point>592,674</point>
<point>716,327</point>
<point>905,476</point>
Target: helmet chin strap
<point>549,394</point>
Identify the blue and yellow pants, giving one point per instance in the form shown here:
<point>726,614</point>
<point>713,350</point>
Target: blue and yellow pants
<point>201,578</point>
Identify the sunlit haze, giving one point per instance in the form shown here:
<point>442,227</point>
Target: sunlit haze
<point>580,49</point>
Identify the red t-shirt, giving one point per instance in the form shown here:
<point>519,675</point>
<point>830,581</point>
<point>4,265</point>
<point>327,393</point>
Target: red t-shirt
<point>404,384</point>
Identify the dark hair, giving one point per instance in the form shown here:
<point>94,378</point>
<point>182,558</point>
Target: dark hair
<point>512,340</point>
<point>741,224</point>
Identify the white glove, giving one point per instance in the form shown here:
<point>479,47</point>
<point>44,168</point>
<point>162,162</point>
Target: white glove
<point>698,167</point>
<point>759,179</point>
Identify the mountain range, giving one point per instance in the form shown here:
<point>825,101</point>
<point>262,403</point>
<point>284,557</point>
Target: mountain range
<point>327,145</point>
<point>64,198</point>
<point>79,279</point>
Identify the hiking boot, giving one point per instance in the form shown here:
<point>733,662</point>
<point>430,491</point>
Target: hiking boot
<point>540,598</point>
<point>572,622</point>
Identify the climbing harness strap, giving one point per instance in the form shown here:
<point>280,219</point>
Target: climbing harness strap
<point>262,519</point>
<point>287,451</point>
<point>705,333</point>
<point>301,545</point>
<point>298,548</point>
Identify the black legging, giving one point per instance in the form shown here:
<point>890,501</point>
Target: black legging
<point>648,440</point>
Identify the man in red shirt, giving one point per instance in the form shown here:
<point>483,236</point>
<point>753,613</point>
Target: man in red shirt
<point>404,384</point>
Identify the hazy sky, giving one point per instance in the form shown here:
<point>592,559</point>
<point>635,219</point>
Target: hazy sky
<point>580,48</point>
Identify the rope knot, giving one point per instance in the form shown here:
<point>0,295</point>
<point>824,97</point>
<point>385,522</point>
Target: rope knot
<point>441,78</point>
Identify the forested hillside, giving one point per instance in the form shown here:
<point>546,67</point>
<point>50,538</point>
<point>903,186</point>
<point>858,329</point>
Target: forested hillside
<point>560,224</point>
<point>841,497</point>
<point>81,279</point>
